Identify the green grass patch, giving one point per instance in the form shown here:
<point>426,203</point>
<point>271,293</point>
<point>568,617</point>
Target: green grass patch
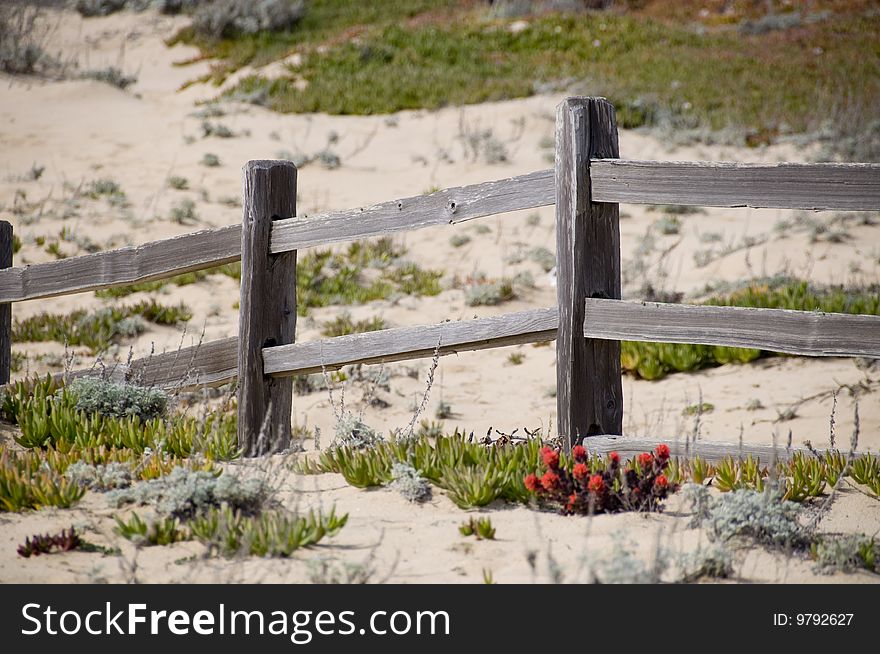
<point>343,325</point>
<point>55,417</point>
<point>98,329</point>
<point>365,271</point>
<point>655,72</point>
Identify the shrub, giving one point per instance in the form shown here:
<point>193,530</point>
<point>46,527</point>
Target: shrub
<point>184,212</point>
<point>579,485</point>
<point>210,160</point>
<point>185,493</point>
<point>99,477</point>
<point>273,533</point>
<point>764,517</point>
<point>489,293</point>
<point>178,183</point>
<point>543,257</point>
<point>230,18</point>
<point>22,41</point>
<point>407,481</point>
<point>112,76</point>
<point>107,398</point>
<point>846,553</point>
<point>459,240</point>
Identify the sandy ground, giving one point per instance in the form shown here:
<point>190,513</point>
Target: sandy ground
<point>85,130</point>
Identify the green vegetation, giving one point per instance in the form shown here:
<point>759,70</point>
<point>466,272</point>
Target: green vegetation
<point>325,278</point>
<point>25,484</point>
<point>232,270</point>
<point>98,329</point>
<point>343,325</point>
<point>656,360</point>
<point>48,417</point>
<point>419,54</point>
<point>473,474</point>
<point>797,480</point>
<point>162,531</point>
<point>480,527</point>
<point>272,533</point>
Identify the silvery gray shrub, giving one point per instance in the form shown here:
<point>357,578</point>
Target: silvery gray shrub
<point>108,398</point>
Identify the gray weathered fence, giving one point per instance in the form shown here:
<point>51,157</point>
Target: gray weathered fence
<point>588,323</point>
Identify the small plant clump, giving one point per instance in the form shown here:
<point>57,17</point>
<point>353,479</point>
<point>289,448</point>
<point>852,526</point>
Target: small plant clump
<point>489,293</point>
<point>480,527</point>
<point>162,531</point>
<point>584,485</point>
<point>846,554</point>
<point>762,516</point>
<point>65,541</point>
<point>407,481</point>
<point>26,484</point>
<point>99,477</point>
<point>343,325</point>
<point>230,532</point>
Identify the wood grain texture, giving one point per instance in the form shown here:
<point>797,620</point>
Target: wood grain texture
<point>128,265</point>
<point>213,363</point>
<point>786,186</point>
<point>6,248</point>
<point>809,333</point>
<point>589,393</point>
<point>449,206</point>
<point>629,447</point>
<point>404,343</point>
<point>267,314</point>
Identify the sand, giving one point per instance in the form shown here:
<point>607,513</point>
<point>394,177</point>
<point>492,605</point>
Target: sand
<point>85,130</point>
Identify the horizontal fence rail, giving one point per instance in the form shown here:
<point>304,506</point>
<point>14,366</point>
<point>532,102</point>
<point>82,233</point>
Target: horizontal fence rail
<point>209,248</point>
<point>450,206</point>
<point>849,186</point>
<point>629,447</point>
<point>792,186</point>
<point>128,265</point>
<point>779,330</point>
<point>404,343</point>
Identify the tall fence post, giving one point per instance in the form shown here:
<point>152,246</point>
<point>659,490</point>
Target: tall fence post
<point>589,394</point>
<point>6,247</point>
<point>267,309</point>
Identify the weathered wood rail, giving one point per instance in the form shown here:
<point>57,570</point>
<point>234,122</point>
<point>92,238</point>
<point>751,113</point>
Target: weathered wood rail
<point>590,319</point>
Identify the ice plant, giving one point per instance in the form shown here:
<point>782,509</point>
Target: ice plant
<point>581,485</point>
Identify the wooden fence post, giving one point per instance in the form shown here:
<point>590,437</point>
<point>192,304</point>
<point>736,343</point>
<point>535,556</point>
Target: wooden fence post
<point>589,394</point>
<point>6,248</point>
<point>267,309</point>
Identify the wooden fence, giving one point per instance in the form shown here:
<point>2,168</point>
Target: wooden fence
<point>588,323</point>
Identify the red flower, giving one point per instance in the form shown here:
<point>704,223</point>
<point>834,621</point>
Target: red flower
<point>572,501</point>
<point>580,470</point>
<point>550,457</point>
<point>614,458</point>
<point>661,481</point>
<point>550,480</point>
<point>662,451</point>
<point>597,484</point>
<point>579,453</point>
<point>645,459</point>
<point>532,483</point>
